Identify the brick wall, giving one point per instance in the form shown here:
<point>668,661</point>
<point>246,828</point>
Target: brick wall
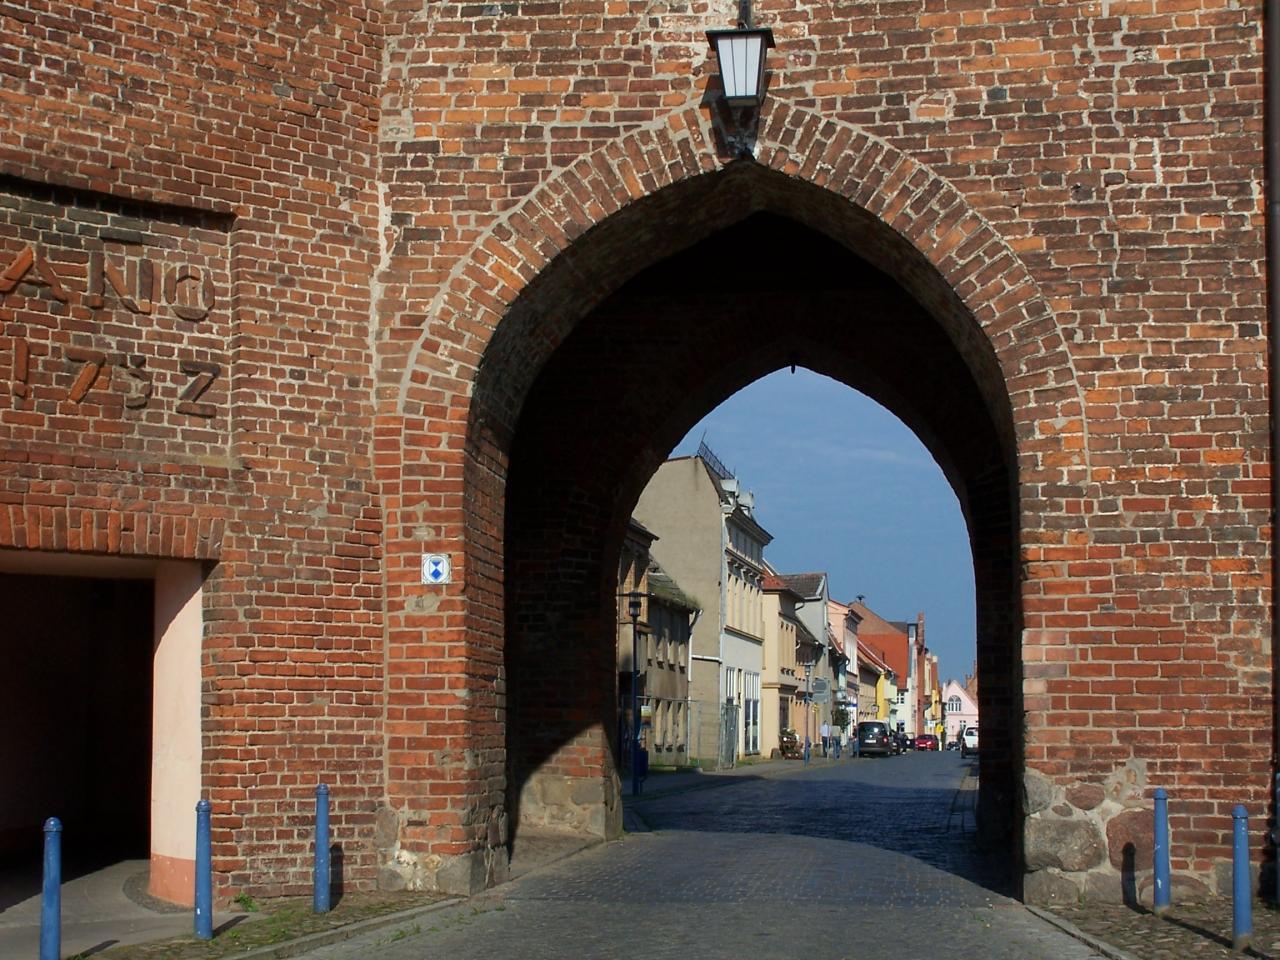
<point>422,204</point>
<point>187,237</point>
<point>1081,179</point>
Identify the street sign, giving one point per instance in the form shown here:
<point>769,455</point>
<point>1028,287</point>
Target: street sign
<point>821,685</point>
<point>436,569</point>
<point>821,696</point>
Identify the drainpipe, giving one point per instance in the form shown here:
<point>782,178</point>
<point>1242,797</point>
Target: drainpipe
<point>1272,66</point>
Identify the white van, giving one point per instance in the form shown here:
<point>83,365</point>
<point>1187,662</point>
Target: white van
<point>969,741</point>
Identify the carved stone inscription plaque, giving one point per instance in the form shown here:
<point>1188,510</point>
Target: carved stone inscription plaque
<point>114,325</point>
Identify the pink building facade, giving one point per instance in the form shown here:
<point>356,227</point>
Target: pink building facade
<point>960,709</point>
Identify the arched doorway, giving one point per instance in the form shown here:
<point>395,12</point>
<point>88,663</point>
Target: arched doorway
<point>624,341</point>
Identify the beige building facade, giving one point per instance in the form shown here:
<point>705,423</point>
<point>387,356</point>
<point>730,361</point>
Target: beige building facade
<point>783,679</point>
<point>709,541</point>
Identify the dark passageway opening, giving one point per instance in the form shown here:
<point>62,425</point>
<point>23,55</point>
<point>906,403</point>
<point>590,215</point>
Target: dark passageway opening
<point>75,719</point>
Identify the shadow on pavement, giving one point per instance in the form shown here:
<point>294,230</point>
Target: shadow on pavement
<point>98,948</point>
<point>1202,932</point>
<point>222,928</point>
<point>23,880</point>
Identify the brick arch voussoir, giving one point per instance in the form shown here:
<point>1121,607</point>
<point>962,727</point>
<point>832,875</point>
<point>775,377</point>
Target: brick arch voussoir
<point>936,219</point>
<point>926,210</point>
<point>436,388</point>
<point>525,240</point>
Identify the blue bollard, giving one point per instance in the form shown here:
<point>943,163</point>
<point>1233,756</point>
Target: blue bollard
<point>1160,854</point>
<point>1242,897</point>
<point>320,878</point>
<point>204,873</point>
<point>51,901</point>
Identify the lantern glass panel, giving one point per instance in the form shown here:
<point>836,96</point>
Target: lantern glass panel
<point>741,63</point>
<point>741,56</point>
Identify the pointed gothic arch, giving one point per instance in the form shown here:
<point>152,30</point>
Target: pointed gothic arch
<point>519,294</point>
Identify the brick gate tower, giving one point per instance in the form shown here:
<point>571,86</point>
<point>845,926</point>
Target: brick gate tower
<point>295,295</point>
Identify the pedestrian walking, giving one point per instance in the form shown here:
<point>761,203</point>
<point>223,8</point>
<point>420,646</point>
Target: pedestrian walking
<point>826,736</point>
<point>837,743</point>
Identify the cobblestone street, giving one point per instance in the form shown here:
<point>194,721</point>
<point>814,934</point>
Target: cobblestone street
<point>918,804</point>
<point>761,866</point>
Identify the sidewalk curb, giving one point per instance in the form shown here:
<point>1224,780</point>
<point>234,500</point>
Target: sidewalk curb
<point>1104,948</point>
<point>324,938</point>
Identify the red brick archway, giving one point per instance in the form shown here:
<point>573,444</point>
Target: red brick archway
<point>511,306</point>
<point>416,225</point>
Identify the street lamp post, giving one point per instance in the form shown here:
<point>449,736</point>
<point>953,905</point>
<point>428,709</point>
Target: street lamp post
<point>633,609</point>
<point>808,710</point>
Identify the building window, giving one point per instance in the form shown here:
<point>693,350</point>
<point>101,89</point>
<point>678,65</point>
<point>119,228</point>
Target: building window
<point>954,705</point>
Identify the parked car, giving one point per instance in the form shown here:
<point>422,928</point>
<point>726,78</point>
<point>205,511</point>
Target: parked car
<point>927,741</point>
<point>969,741</point>
<point>874,739</point>
<point>910,743</point>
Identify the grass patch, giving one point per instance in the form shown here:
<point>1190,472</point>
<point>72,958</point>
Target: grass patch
<point>273,922</point>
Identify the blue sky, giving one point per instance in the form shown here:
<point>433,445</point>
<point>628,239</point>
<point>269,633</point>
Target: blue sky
<point>845,487</point>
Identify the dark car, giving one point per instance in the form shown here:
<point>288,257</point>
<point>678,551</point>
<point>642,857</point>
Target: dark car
<point>910,743</point>
<point>926,741</point>
<point>874,739</point>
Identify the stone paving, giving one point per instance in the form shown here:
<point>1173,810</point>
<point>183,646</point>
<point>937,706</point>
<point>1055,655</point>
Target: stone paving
<point>855,859</point>
<point>862,859</point>
<point>866,859</point>
<point>97,911</point>
<point>921,805</point>
<point>1188,932</point>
